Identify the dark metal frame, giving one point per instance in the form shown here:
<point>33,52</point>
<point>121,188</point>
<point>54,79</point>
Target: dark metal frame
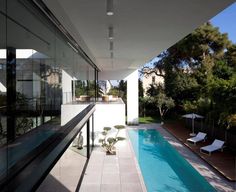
<point>11,93</point>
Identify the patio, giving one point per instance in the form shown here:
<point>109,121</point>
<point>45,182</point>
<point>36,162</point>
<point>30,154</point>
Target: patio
<point>122,173</point>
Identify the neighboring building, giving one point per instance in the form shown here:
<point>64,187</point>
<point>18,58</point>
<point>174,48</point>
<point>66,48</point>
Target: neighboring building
<point>151,79</point>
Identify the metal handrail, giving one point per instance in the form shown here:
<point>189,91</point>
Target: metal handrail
<point>46,155</point>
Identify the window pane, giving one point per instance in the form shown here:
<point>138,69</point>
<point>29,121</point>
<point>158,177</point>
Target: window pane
<point>3,118</point>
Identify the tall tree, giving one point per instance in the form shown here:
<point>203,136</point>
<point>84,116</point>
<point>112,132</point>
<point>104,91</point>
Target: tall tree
<point>140,88</point>
<point>200,71</point>
<point>163,104</point>
<point>187,65</point>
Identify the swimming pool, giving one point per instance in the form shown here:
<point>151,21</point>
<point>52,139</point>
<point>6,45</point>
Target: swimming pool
<point>162,167</point>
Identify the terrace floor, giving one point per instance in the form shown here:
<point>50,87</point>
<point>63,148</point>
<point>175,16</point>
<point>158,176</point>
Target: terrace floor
<point>122,173</point>
<point>116,173</point>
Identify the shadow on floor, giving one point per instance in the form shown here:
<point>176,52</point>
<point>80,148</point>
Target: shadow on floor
<point>223,162</point>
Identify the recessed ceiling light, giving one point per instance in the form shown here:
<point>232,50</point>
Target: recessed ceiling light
<point>110,7</point>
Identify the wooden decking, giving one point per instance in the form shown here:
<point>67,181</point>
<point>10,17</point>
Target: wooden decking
<point>224,162</point>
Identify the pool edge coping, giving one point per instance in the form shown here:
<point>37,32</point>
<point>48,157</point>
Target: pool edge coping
<point>142,182</point>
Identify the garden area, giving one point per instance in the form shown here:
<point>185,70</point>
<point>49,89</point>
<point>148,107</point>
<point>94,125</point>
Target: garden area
<point>199,75</point>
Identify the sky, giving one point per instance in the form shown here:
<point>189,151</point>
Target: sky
<point>226,21</point>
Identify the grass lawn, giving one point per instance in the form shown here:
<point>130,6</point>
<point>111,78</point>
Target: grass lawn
<point>146,120</point>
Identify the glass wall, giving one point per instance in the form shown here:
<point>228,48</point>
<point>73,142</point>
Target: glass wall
<point>85,86</point>
<point>3,117</point>
<point>32,56</point>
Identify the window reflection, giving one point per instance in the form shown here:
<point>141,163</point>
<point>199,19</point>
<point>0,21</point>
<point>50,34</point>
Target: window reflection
<point>3,91</point>
<point>3,124</point>
<point>31,91</point>
<point>38,89</point>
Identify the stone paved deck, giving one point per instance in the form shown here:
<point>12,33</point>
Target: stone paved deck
<point>116,173</point>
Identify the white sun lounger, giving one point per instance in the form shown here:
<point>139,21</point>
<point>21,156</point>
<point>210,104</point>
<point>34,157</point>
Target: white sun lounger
<point>199,137</point>
<point>215,146</point>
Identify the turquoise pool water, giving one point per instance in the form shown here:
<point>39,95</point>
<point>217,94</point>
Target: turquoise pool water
<point>162,167</point>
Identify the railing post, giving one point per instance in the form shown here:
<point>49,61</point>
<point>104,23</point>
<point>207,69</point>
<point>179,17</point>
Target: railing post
<point>93,136</point>
<point>11,93</point>
<point>88,138</point>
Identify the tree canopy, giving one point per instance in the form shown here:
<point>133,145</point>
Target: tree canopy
<point>200,73</point>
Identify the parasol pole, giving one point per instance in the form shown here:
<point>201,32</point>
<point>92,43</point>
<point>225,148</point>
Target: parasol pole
<point>192,125</point>
<point>192,134</point>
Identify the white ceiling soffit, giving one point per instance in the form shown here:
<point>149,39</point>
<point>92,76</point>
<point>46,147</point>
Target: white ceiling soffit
<point>142,28</point>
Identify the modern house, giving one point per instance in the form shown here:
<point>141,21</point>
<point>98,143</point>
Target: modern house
<point>47,45</point>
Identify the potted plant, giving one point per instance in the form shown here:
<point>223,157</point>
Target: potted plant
<point>108,143</point>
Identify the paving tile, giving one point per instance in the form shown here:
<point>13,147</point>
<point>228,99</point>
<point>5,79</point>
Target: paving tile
<point>130,187</point>
<point>111,168</point>
<point>92,178</point>
<point>128,168</point>
<point>129,178</point>
<point>126,161</point>
<point>125,154</point>
<point>111,178</point>
<point>115,168</point>
<point>124,150</point>
<point>110,188</point>
<point>90,188</point>
<point>96,154</point>
<point>111,159</point>
<point>94,168</point>
<point>96,161</point>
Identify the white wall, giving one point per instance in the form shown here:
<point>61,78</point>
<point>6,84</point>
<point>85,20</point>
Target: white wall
<point>108,115</point>
<point>66,87</point>
<point>132,98</point>
<point>68,111</point>
<point>105,115</point>
<point>2,79</point>
<point>132,90</point>
<point>3,88</point>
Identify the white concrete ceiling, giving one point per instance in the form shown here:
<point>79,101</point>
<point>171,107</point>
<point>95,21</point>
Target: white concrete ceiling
<point>142,28</point>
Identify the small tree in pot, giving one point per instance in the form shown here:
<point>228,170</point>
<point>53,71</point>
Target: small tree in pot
<point>108,143</point>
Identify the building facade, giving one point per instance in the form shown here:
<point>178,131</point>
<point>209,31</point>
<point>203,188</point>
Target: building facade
<point>151,79</point>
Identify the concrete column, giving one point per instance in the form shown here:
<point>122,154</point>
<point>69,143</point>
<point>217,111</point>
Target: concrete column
<point>132,98</point>
<point>66,87</point>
